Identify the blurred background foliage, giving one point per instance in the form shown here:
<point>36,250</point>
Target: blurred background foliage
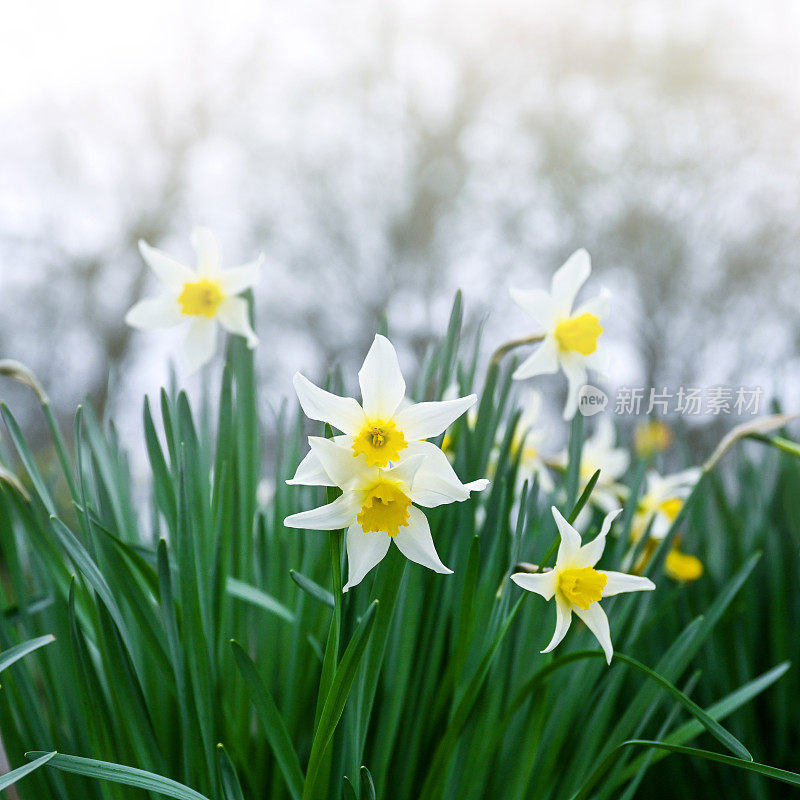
<point>383,155</point>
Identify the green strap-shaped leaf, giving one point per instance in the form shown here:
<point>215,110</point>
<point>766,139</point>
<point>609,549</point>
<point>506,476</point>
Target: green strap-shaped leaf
<point>750,766</point>
<point>119,773</point>
<point>337,696</point>
<point>718,710</point>
<point>272,722</point>
<point>257,597</point>
<point>314,589</point>
<point>20,772</point>
<point>231,788</point>
<point>8,657</point>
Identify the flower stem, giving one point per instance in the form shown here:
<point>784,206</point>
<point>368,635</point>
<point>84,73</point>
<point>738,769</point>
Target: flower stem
<point>506,348</point>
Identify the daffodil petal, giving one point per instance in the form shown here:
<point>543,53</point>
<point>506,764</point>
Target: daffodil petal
<point>343,468</point>
<point>416,543</point>
<point>575,370</point>
<point>537,303</point>
<point>425,420</point>
<point>343,413</point>
<point>435,482</point>
<point>169,271</point>
<point>206,247</point>
<point>406,469</point>
<point>200,343</point>
<point>155,312</point>
<point>382,385</point>
<point>310,472</point>
<point>563,619</point>
<point>233,314</point>
<point>543,583</point>
<point>570,539</point>
<point>567,281</point>
<point>543,360</point>
<point>591,553</point>
<point>620,582</point>
<point>599,306</point>
<point>596,621</point>
<point>364,551</point>
<point>238,279</point>
<point>341,513</point>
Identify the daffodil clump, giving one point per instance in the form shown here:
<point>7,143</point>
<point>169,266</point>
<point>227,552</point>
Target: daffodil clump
<point>198,638</point>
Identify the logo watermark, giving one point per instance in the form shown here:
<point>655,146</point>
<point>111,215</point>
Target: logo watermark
<point>685,401</point>
<point>591,400</point>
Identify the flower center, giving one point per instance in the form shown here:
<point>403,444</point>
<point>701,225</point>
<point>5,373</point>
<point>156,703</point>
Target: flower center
<point>385,509</point>
<point>582,586</point>
<point>379,442</point>
<point>201,298</point>
<point>579,333</point>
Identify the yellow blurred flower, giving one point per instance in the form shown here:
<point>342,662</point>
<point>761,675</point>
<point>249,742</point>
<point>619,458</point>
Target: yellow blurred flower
<point>682,566</point>
<point>651,437</point>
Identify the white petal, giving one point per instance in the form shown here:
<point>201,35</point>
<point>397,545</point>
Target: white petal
<point>616,463</point>
<point>591,553</point>
<point>568,280</point>
<point>537,303</point>
<point>234,315</point>
<point>619,583</point>
<point>599,306</point>
<point>310,472</point>
<point>435,482</point>
<point>424,420</point>
<point>570,539</point>
<point>597,622</point>
<point>364,551</point>
<point>543,583</point>
<point>575,370</point>
<point>405,470</point>
<point>155,312</point>
<point>206,247</point>
<point>200,343</point>
<point>236,280</point>
<point>343,413</point>
<point>340,463</point>
<point>166,269</point>
<point>563,619</point>
<point>341,513</point>
<point>598,361</point>
<point>416,543</point>
<point>382,384</point>
<point>543,361</point>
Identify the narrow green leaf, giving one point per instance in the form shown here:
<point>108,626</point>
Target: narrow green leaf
<point>8,657</point>
<point>20,772</point>
<point>337,696</point>
<point>119,773</point>
<point>782,775</point>
<point>250,594</point>
<point>314,589</point>
<point>272,722</point>
<point>231,788</point>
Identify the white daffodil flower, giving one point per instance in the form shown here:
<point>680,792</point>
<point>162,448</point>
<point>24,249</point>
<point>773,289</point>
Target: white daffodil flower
<point>378,504</point>
<point>577,586</point>
<point>203,297</point>
<point>570,337</point>
<point>382,427</point>
<point>662,501</point>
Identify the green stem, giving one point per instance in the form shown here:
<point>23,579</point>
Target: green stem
<point>506,348</point>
